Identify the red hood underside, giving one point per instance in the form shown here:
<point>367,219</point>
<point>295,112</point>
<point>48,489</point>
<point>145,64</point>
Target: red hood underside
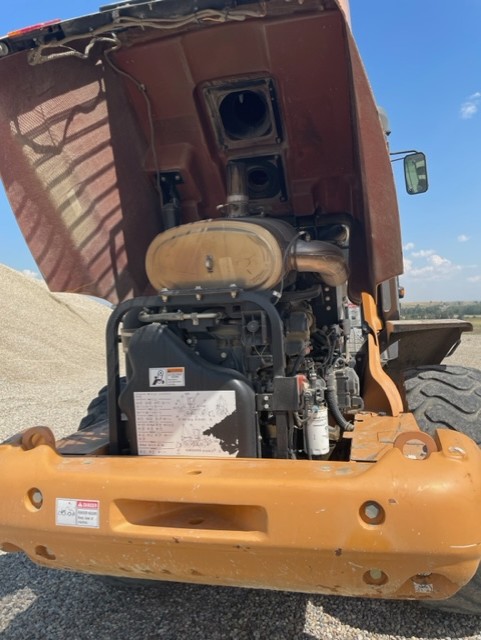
<point>79,152</point>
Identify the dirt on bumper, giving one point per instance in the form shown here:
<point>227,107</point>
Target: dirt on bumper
<point>396,528</point>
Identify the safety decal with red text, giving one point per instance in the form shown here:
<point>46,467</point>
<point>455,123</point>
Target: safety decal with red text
<point>70,512</point>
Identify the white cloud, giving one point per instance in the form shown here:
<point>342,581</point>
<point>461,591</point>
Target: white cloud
<point>470,107</point>
<point>423,253</point>
<point>32,274</point>
<point>463,238</point>
<point>439,261</point>
<point>409,246</point>
<point>430,266</point>
<point>468,110</point>
<point>474,278</point>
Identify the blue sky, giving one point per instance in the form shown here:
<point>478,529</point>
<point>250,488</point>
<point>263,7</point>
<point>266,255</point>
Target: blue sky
<point>424,62</point>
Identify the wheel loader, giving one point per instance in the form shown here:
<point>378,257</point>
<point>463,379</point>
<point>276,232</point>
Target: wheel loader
<point>219,171</point>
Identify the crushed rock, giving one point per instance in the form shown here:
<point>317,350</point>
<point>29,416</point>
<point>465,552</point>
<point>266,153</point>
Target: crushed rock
<point>52,354</point>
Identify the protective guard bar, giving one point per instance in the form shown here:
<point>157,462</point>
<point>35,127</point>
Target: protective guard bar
<point>397,528</point>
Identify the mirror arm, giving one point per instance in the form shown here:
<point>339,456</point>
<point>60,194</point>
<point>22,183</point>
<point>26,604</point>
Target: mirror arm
<point>401,153</point>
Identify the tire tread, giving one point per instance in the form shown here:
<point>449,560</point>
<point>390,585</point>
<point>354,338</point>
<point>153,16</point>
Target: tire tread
<point>448,397</point>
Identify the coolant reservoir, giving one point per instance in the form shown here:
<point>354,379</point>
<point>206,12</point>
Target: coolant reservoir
<point>217,253</point>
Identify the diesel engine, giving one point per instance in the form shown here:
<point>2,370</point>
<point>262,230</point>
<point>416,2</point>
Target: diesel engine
<point>248,349</point>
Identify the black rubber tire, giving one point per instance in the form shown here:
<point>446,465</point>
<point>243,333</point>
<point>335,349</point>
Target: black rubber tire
<point>448,397</point>
<point>97,410</point>
<point>445,397</point>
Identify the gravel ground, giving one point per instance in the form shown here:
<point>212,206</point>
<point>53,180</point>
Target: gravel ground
<point>468,354</point>
<point>51,365</point>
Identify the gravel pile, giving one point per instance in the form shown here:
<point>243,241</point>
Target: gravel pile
<point>52,354</point>
<point>51,365</point>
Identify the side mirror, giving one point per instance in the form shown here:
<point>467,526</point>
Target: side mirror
<point>416,173</point>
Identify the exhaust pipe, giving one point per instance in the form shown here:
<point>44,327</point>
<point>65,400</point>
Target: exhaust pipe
<point>320,257</point>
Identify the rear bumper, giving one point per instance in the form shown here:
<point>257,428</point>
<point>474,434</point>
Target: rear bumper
<point>396,528</point>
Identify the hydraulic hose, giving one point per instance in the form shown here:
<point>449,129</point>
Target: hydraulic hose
<point>333,406</point>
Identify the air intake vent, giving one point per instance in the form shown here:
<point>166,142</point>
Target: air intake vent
<point>243,112</point>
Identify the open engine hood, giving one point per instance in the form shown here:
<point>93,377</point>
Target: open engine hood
<point>96,112</point>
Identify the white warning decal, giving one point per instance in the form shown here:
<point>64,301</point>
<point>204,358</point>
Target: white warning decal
<point>167,377</point>
<point>70,512</point>
<point>181,422</point>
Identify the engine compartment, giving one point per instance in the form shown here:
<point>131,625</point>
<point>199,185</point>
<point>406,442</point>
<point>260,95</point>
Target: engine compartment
<point>226,366</point>
<point>249,348</point>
